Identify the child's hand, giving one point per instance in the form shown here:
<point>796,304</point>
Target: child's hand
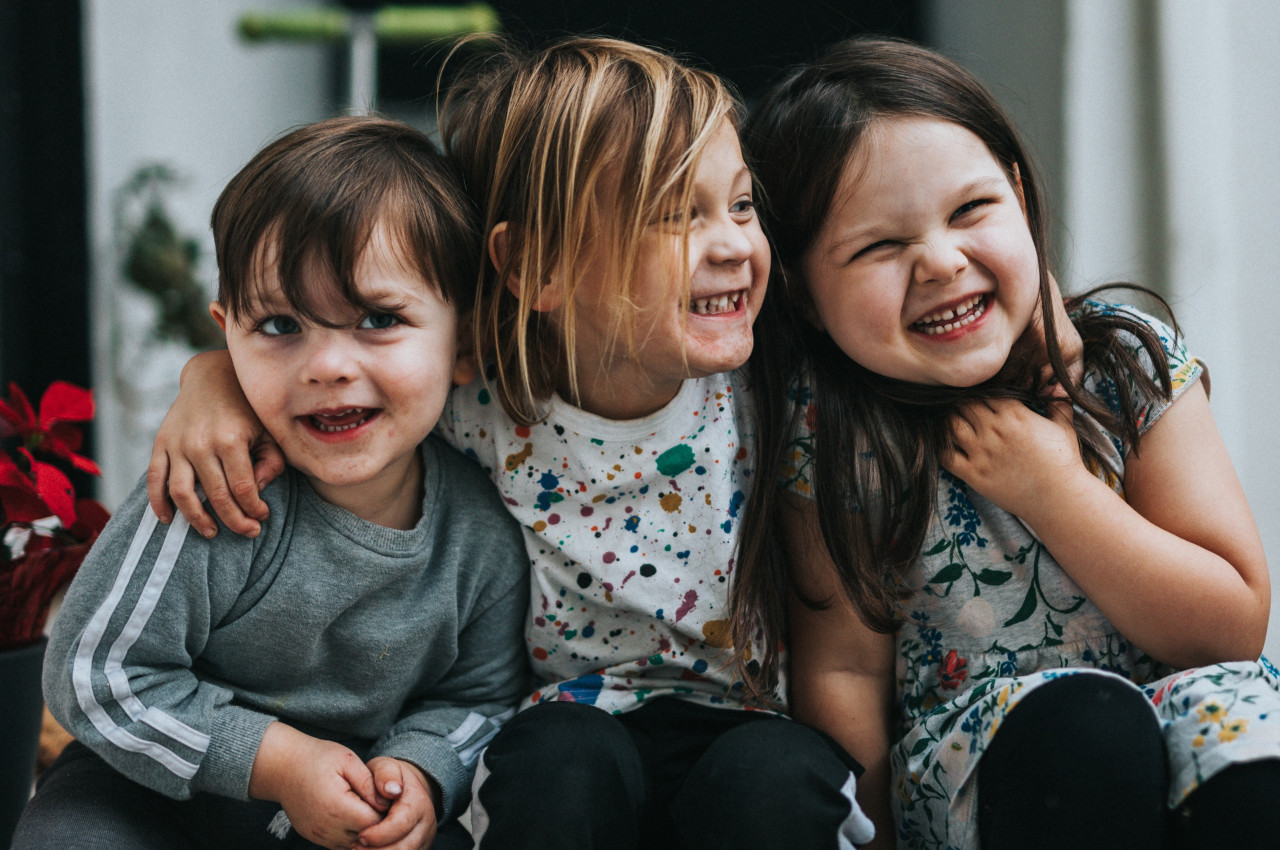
<point>210,437</point>
<point>411,823</point>
<point>1012,455</point>
<point>324,787</point>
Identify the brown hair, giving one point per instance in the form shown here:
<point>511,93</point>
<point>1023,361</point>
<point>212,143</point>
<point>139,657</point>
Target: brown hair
<point>877,441</point>
<point>539,137</point>
<point>316,195</point>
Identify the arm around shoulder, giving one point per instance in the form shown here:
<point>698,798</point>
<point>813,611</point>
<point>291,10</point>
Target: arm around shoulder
<point>209,439</point>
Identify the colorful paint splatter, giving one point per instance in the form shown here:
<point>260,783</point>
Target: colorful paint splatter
<point>630,528</point>
<point>992,616</point>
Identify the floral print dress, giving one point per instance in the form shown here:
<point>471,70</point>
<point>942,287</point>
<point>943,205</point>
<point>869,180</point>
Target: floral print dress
<point>992,616</point>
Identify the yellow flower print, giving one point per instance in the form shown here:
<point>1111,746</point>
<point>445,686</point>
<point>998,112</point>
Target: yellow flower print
<point>1197,741</point>
<point>1233,729</point>
<point>1209,711</point>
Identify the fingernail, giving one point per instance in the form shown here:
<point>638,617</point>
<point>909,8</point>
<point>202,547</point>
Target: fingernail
<point>208,532</point>
<point>394,788</point>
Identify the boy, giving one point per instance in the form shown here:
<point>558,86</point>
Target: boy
<point>378,615</point>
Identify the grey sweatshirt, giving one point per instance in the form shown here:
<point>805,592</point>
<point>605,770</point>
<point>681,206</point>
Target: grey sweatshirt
<point>172,654</point>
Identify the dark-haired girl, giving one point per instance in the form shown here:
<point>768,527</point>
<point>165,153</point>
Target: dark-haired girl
<point>1030,521</point>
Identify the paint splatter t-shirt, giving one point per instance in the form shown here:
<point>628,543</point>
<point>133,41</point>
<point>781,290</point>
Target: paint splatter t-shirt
<point>630,528</point>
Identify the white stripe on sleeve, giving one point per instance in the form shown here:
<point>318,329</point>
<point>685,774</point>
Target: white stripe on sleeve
<point>95,631</point>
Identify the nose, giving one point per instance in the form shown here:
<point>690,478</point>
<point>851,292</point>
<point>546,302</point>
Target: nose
<point>731,243</point>
<point>940,260</point>
<point>332,357</point>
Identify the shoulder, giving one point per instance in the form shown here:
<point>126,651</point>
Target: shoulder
<point>1178,359</point>
<point>468,494</point>
<point>1174,361</point>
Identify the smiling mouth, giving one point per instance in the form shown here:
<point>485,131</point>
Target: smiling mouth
<point>965,313</point>
<point>718,304</point>
<point>337,421</point>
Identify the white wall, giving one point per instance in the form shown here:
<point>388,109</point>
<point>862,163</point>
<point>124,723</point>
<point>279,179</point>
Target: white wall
<point>171,82</point>
<point>1162,129</point>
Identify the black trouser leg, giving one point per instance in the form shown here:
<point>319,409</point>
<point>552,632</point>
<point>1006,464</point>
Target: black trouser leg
<point>561,775</point>
<point>1236,807</point>
<point>1080,762</point>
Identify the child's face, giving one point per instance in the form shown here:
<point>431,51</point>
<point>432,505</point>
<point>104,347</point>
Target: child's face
<point>924,269</point>
<point>349,405</point>
<point>728,269</point>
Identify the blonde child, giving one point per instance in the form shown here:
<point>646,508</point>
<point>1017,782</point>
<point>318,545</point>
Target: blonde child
<point>1032,522</point>
<point>221,689</point>
<point>625,267</point>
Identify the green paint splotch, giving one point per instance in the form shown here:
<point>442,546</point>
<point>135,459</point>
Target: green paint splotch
<point>675,460</point>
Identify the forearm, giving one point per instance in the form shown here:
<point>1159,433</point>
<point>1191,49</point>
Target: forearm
<point>855,710</point>
<point>1179,601</point>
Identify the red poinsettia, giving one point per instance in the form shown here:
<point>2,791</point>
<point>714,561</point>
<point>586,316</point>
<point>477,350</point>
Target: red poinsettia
<point>46,529</point>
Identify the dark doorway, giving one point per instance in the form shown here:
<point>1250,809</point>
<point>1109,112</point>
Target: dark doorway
<point>44,289</point>
<point>747,41</point>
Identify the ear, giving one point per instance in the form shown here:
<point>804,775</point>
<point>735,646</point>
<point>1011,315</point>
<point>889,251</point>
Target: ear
<point>219,315</point>
<point>1017,187</point>
<point>548,297</point>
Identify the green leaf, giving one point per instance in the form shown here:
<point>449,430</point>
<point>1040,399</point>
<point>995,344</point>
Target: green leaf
<point>948,574</point>
<point>1028,606</point>
<point>990,576</point>
<point>920,747</point>
<point>938,547</point>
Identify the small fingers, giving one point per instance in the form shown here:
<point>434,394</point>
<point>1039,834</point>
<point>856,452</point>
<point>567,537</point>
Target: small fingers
<point>239,473</point>
<point>213,478</point>
<point>158,485</point>
<point>182,491</point>
<point>268,462</point>
<point>399,830</point>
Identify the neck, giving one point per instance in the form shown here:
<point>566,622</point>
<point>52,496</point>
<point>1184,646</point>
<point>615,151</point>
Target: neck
<point>619,398</point>
<point>392,498</point>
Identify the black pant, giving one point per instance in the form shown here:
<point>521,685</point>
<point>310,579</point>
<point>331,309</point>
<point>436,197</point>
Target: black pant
<point>668,774</point>
<point>1081,763</point>
<point>82,803</point>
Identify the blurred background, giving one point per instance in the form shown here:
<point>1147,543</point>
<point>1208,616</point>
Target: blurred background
<point>1155,123</point>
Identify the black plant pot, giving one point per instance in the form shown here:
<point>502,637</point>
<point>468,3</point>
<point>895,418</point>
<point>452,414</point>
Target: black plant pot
<point>21,709</point>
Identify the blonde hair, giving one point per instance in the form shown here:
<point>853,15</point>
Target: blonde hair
<point>539,136</point>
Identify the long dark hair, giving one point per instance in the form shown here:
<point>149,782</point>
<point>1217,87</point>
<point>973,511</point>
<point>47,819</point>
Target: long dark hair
<point>877,441</point>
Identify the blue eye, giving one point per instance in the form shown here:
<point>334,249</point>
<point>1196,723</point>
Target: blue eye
<point>378,322</point>
<point>279,325</point>
<point>745,205</point>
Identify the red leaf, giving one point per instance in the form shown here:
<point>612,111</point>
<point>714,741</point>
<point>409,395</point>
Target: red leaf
<point>21,506</point>
<point>65,435</point>
<point>65,449</point>
<point>55,489</point>
<point>18,410</point>
<point>27,590</point>
<point>91,517</point>
<point>18,496</point>
<point>64,402</point>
